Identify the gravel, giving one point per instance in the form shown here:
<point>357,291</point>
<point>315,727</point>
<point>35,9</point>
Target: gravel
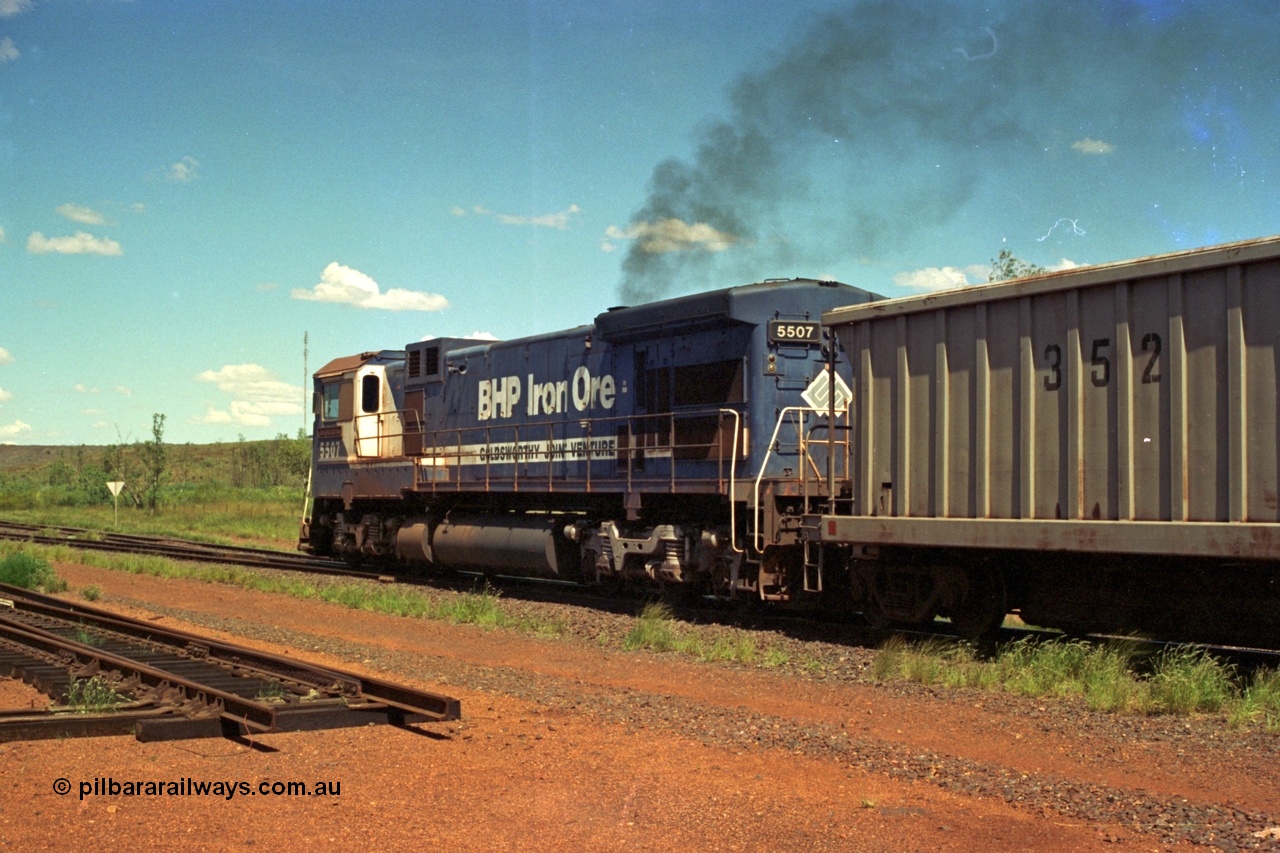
<point>1171,821</point>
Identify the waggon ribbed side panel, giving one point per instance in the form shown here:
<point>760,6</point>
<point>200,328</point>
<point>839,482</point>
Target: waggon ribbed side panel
<point>1139,391</point>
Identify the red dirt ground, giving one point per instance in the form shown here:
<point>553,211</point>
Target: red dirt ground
<point>530,769</point>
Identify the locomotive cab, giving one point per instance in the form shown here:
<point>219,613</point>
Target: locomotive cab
<point>357,407</point>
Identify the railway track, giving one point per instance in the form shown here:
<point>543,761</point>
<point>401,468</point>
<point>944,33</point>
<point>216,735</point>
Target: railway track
<point>171,684</point>
<point>177,549</point>
<point>849,628</point>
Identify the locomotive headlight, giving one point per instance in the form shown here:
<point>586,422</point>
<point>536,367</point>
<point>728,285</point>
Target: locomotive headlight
<point>773,363</point>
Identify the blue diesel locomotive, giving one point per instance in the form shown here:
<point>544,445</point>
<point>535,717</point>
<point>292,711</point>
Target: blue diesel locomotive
<point>679,444</point>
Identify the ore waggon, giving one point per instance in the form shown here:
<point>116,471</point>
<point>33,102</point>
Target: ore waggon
<point>1095,449</point>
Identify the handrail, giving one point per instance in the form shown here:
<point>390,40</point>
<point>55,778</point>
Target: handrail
<point>457,450</point>
<point>733,480</point>
<point>764,463</point>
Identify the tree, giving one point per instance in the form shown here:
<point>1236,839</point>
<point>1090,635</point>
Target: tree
<point>1008,266</point>
<point>154,463</point>
<point>282,461</point>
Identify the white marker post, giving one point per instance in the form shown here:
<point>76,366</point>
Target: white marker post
<point>114,487</point>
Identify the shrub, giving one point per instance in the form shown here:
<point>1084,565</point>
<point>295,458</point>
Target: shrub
<point>30,572</point>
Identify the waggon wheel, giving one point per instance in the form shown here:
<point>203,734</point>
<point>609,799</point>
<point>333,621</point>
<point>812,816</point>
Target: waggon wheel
<point>866,597</point>
<point>982,610</point>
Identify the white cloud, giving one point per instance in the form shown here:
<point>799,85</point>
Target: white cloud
<point>5,396</point>
<point>80,213</point>
<point>184,171</point>
<point>257,396</point>
<point>81,388</point>
<point>932,278</point>
<point>1,234</point>
<point>948,278</point>
<point>1093,146</point>
<point>5,356</point>
<point>670,235</point>
<point>81,244</point>
<point>14,429</point>
<point>9,8</point>
<point>475,336</point>
<point>8,51</point>
<point>214,416</point>
<point>558,220</point>
<point>241,414</point>
<point>121,389</point>
<point>348,286</point>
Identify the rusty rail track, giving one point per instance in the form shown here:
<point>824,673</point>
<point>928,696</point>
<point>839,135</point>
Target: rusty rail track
<point>821,626</point>
<point>177,684</point>
<point>177,549</point>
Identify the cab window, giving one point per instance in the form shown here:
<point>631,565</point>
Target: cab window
<point>329,395</point>
<point>370,394</point>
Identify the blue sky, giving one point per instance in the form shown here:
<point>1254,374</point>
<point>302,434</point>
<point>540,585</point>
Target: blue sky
<point>187,188</point>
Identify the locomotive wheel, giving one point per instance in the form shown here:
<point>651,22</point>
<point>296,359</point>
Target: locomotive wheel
<point>982,611</point>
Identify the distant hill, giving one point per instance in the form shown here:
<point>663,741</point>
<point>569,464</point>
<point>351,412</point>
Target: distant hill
<point>31,455</point>
<point>272,462</point>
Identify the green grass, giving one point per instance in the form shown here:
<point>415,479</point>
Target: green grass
<point>1260,702</point>
<point>272,692</point>
<point>86,637</point>
<point>1186,681</point>
<point>480,607</point>
<point>1101,675</point>
<point>653,630</point>
<point>93,696</point>
<point>259,518</point>
<point>656,630</point>
<point>20,568</point>
<point>1110,678</point>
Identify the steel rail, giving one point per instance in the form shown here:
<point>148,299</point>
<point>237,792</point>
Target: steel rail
<point>554,591</point>
<point>257,716</point>
<point>178,550</point>
<point>357,687</point>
